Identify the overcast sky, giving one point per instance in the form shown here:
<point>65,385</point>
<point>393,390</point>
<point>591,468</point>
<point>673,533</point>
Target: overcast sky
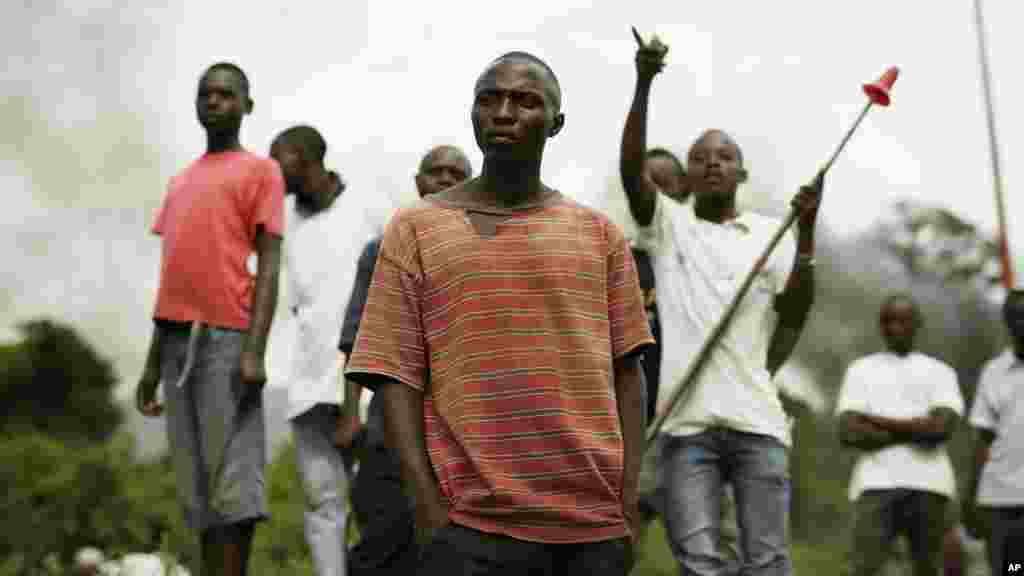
<point>98,114</point>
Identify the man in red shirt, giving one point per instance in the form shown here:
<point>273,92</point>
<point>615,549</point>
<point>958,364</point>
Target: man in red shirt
<point>503,328</point>
<point>211,320</point>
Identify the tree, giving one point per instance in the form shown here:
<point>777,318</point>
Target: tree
<point>55,383</point>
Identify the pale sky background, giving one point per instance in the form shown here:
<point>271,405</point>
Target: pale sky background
<point>98,114</point>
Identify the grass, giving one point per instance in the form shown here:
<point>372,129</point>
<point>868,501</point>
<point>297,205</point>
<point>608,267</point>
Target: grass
<point>655,557</point>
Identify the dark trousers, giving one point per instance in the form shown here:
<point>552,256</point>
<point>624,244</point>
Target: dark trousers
<point>387,543</point>
<point>459,551</point>
<point>1006,541</point>
<point>883,515</point>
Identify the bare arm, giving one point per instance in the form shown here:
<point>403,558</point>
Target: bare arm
<point>933,429</point>
<point>856,430</point>
<point>145,392</point>
<point>404,432</point>
<point>794,303</point>
<point>268,249</point>
<point>629,399</point>
<point>640,192</point>
<point>983,439</point>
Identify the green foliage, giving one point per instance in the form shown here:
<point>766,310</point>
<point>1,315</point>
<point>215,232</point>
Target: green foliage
<point>60,498</point>
<point>55,383</point>
<point>279,546</point>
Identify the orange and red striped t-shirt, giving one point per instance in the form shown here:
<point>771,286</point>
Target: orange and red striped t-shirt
<point>511,337</point>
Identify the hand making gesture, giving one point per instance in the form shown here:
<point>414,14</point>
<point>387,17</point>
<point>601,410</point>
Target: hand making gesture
<point>650,56</point>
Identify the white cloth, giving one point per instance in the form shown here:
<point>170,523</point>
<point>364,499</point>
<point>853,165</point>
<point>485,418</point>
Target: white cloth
<point>892,386</point>
<point>325,485</point>
<point>320,255</point>
<point>698,268</point>
<point>148,565</point>
<point>999,406</point>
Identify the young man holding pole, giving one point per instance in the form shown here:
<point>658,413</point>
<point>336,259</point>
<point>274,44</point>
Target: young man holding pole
<point>504,327</point>
<point>211,321</point>
<point>730,426</point>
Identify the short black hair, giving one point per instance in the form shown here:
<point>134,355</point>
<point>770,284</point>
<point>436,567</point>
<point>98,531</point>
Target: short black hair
<point>235,69</point>
<point>905,297</point>
<point>659,152</point>
<point>307,140</point>
<point>520,55</point>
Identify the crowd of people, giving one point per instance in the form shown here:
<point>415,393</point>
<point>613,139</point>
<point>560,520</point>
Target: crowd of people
<point>517,344</point>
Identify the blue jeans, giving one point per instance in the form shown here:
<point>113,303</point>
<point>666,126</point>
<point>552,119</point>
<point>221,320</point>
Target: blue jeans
<point>694,469</point>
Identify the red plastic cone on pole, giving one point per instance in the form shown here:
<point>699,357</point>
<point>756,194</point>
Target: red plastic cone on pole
<point>878,91</point>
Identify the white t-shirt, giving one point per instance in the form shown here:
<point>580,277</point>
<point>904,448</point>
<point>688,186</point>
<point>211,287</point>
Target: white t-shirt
<point>698,268</point>
<point>319,259</point>
<point>999,406</point>
<point>892,386</point>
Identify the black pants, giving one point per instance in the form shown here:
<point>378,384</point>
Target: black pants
<point>460,551</point>
<point>387,544</point>
<point>882,515</point>
<point>1006,542</point>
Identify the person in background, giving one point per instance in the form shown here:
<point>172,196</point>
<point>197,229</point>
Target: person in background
<point>325,225</point>
<point>387,543</point>
<point>211,322</point>
<point>997,478</point>
<point>899,408</point>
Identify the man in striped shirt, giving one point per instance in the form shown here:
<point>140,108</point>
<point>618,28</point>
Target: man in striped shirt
<point>503,328</point>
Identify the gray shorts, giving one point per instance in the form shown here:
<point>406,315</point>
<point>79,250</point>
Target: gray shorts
<point>215,429</point>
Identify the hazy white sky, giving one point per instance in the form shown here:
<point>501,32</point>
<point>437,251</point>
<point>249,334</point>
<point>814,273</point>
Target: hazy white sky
<point>98,112</point>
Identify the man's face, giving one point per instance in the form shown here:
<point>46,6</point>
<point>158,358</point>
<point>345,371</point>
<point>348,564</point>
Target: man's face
<point>899,324</point>
<point>221,102</point>
<point>662,172</point>
<point>292,167</point>
<point>714,167</point>
<point>444,168</point>
<point>513,112</point>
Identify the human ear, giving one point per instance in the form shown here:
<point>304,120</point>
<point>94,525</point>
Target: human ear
<point>557,124</point>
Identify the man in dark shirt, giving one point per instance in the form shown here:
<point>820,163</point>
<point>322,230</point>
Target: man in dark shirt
<point>387,545</point>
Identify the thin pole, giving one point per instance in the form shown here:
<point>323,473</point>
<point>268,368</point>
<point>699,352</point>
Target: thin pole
<point>993,143</point>
<point>846,138</point>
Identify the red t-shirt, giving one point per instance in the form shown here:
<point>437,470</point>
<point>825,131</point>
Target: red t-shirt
<point>208,223</point>
<point>512,338</point>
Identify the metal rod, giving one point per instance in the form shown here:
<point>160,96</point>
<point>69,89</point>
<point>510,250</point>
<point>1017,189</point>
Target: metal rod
<point>846,138</point>
<point>993,143</point>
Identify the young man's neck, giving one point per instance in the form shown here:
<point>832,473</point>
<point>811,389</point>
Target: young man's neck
<point>901,352</point>
<point>325,189</point>
<point>716,211</point>
<point>222,142</point>
<point>510,183</point>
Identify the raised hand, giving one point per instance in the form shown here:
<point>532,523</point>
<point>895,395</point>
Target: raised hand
<point>808,200</point>
<point>650,56</point>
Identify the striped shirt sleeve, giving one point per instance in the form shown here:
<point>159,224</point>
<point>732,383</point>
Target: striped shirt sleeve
<point>627,318</point>
<point>391,341</point>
